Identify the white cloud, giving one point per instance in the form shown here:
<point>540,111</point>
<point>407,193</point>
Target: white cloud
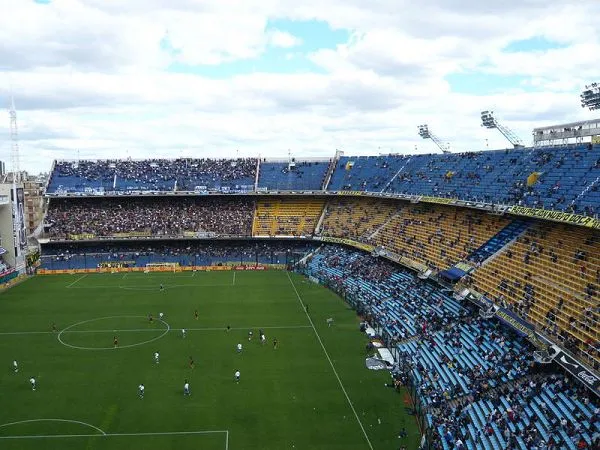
<point>283,39</point>
<point>89,75</point>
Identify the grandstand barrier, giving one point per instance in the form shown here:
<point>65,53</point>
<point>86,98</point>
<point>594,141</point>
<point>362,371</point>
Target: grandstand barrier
<point>556,216</point>
<point>215,268</point>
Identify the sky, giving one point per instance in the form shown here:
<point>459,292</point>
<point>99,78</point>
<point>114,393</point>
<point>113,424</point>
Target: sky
<point>226,78</point>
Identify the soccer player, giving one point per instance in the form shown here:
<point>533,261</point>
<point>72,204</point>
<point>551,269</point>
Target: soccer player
<point>115,342</point>
<point>196,314</point>
<point>186,388</point>
<point>228,328</point>
<point>160,316</point>
<point>275,344</point>
<point>156,357</point>
<point>236,376</point>
<point>191,363</point>
<point>32,381</point>
<point>54,327</point>
<point>239,348</point>
<point>183,333</point>
<point>250,335</point>
<point>162,288</point>
<point>141,390</point>
<point>150,318</point>
<point>15,366</point>
<point>263,339</point>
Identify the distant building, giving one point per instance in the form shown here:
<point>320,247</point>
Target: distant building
<point>13,233</point>
<point>2,169</point>
<point>34,203</point>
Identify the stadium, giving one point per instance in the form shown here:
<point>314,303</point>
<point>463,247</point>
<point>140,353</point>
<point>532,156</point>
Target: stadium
<point>477,302</point>
<point>183,298</point>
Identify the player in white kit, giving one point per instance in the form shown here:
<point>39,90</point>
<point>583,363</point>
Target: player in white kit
<point>236,376</point>
<point>32,381</point>
<point>156,357</point>
<point>15,366</point>
<point>141,390</point>
<point>239,348</point>
<point>186,388</point>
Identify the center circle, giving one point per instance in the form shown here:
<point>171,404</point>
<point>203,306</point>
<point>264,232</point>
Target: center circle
<point>115,331</point>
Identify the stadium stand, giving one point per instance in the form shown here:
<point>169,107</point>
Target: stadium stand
<point>563,178</point>
<point>77,218</point>
<point>474,377</point>
<point>184,252</point>
<point>356,218</point>
<point>437,236</point>
<point>152,175</point>
<point>550,276</point>
<point>559,178</point>
<point>294,175</point>
<point>287,216</point>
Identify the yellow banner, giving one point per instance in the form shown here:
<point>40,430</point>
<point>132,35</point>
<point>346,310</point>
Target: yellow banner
<point>133,234</point>
<point>360,245</point>
<point>595,139</point>
<point>557,216</point>
<point>439,200</point>
<point>81,237</point>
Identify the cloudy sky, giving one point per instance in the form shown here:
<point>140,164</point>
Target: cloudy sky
<point>169,78</point>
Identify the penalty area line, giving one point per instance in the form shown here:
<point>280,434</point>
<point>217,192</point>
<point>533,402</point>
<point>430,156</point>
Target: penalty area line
<point>77,280</point>
<point>330,361</point>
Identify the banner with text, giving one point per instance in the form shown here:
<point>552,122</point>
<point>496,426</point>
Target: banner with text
<point>557,216</point>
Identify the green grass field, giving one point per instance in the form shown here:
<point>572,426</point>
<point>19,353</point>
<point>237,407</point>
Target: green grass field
<point>312,392</point>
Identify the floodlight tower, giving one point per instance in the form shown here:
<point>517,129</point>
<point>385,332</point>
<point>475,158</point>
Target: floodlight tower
<point>426,134</point>
<point>489,121</point>
<point>14,140</point>
<point>590,97</point>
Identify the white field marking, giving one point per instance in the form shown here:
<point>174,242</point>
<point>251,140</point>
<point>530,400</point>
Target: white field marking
<point>107,435</point>
<point>56,420</point>
<point>78,279</point>
<point>330,362</point>
<point>234,278</point>
<point>124,275</point>
<point>111,348</point>
<point>135,330</point>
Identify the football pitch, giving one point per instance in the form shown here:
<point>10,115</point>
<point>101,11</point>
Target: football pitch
<point>311,392</point>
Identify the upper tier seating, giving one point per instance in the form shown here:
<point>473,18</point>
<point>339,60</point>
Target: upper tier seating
<point>304,175</point>
<point>153,175</point>
<point>558,176</point>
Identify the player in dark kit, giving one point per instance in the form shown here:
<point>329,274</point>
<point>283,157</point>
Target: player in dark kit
<point>150,318</point>
<point>196,314</point>
<point>274,344</point>
<point>115,342</point>
<point>191,363</point>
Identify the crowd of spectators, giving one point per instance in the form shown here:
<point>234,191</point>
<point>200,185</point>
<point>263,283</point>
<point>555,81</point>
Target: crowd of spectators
<point>160,216</point>
<point>476,379</point>
<point>183,252</point>
<point>157,174</point>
